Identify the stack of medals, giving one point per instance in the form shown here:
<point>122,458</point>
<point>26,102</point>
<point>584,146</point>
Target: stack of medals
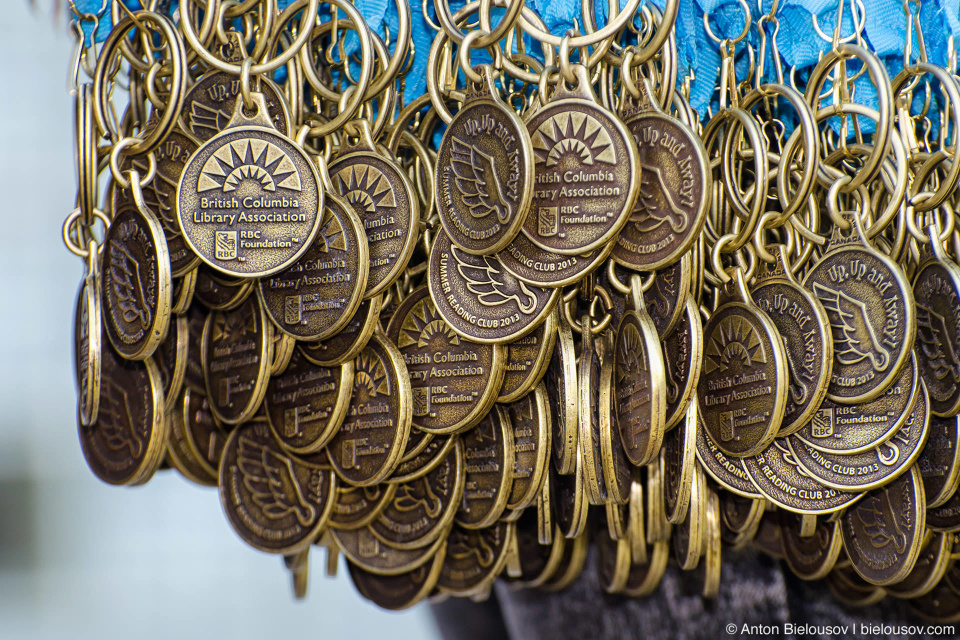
<point>539,307</point>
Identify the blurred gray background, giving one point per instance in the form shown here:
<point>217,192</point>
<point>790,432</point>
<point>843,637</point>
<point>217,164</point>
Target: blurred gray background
<point>80,559</point>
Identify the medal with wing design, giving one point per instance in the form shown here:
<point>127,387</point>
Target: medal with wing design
<point>478,182</point>
<point>655,206</point>
<point>269,477</point>
<point>936,290</point>
<point>854,337</point>
<point>937,349</point>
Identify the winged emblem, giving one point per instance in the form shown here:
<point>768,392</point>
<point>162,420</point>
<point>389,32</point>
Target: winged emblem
<point>932,331</point>
<point>418,493</point>
<point>478,182</point>
<point>673,387</point>
<point>269,478</point>
<point>464,544</point>
<point>203,117</point>
<point>157,196</point>
<point>116,420</point>
<point>879,523</point>
<point>798,390</point>
<point>854,338</point>
<point>655,205</point>
<point>128,285</point>
<point>492,285</point>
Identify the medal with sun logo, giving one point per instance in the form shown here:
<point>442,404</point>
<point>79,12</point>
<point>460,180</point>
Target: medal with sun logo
<point>742,387</point>
<point>872,315</point>
<point>315,297</point>
<point>275,502</point>
<point>482,301</point>
<point>490,454</point>
<point>484,172</point>
<point>454,381</point>
<point>373,436</point>
<point>347,342</point>
<point>382,196</point>
<point>249,200</point>
<point>585,172</point>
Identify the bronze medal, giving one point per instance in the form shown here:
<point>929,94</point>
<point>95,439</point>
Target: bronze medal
<point>274,502</point>
<point>667,296</point>
<point>236,359</point>
<point>850,429</point>
<point>588,425</point>
<point>682,362</point>
<point>135,283</point>
<point>767,540</point>
<point>401,591</point>
<point>882,533</point>
<point>811,557</point>
<point>386,203</point>
<point>872,316</point>
<point>307,403</point>
<point>284,347</point>
<point>205,437</point>
<point>249,200</point>
<point>171,360</point>
<point>125,444</point>
<point>219,294</point>
<point>484,171</point>
<point>530,419</point>
<point>568,500</point>
<point>538,561</point>
<point>364,550</point>
<point>434,450</point>
<point>571,565</point>
<point>675,185</point>
<point>712,547</point>
<point>936,290</point>
<point>345,345</point>
<point>87,347</point>
<point>480,300</point>
<point>455,382</point>
<point>527,360</point>
<point>941,605</point>
<point>357,507</point>
<point>776,474</point>
<point>537,266</point>
<point>645,576</point>
<point>183,290</point>
<point>677,462</point>
<point>946,517</point>
<point>803,326</point>
<point>193,377</point>
<point>562,394</point>
<point>871,468</point>
<point>613,556</point>
<point>939,461</point>
<point>319,294</point>
<point>850,589</point>
<point>688,534</point>
<point>617,469</point>
<point>179,453</point>
<point>726,471</point>
<point>740,519</point>
<point>585,172</point>
<point>372,438</point>
<point>474,558</point>
<point>931,565</point>
<point>423,508</point>
<point>490,460</point>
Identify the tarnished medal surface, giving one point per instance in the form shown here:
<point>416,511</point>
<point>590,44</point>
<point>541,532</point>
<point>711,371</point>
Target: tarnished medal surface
<point>588,425</point>
<point>530,420</point>
<point>931,565</point>
<point>368,446</point>
<point>667,296</point>
<point>171,360</point>
<point>936,289</point>
<point>196,319</point>
<point>742,388</point>
<point>125,444</point>
<point>179,454</point>
<point>675,186</point>
<point>535,265</point>
<point>490,455</point>
<point>422,509</point>
<point>429,451</point>
<point>939,461</point>
<point>382,196</point>
<point>872,315</point>
<point>613,556</point>
<point>617,469</point>
<point>803,326</point>
<point>319,294</point>
<point>528,358</point>
<point>307,403</point>
<point>585,172</point>
<point>568,499</point>
<point>363,549</point>
<point>639,401</point>
<point>346,344</point>
<point>726,471</point>
<point>357,507</point>
<point>160,194</point>
<point>740,518</point>
<point>274,502</point>
<point>537,561</point>
<point>205,437</point>
<point>677,460</point>
<point>682,362</point>
<point>871,468</point>
<point>87,345</point>
<point>945,517</point>
<point>454,381</point>
<point>776,474</point>
<point>847,430</point>
<point>484,171</point>
<point>401,591</point>
<point>218,294</point>
<point>181,295</point>
<point>249,200</point>
<point>882,533</point>
<point>561,383</point>
<point>474,558</point>
<point>236,359</point>
<point>811,557</point>
<point>480,300</point>
<point>135,285</point>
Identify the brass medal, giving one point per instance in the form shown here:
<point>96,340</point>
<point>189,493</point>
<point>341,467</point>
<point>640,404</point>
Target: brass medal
<point>135,285</point>
<point>739,518</point>
<point>588,426</point>
<point>645,576</point>
<point>363,549</point>
<point>236,358</point>
<point>455,382</point>
<point>490,460</point>
<point>726,471</point>
<point>537,266</point>
<point>939,461</point>
<point>677,462</point>
<point>613,556</point>
<point>484,171</point>
<point>219,293</point>
<point>941,605</point>
<point>617,469</point>
<point>474,558</point>
<point>274,502</point>
<point>530,420</point>
<point>249,200</point>
<point>345,345</point>
<point>205,437</point>
<point>423,509</point>
<point>401,591</point>
<point>386,203</point>
<point>936,290</point>
<point>767,540</point>
<point>688,534</point>
<point>538,561</point>
<point>882,533</point>
<point>284,347</point>
<point>319,294</point>
<point>179,453</point>
<point>946,517</point>
<point>528,358</point>
<point>571,564</point>
<point>872,315</point>
<point>803,326</point>
<point>850,589</point>
<point>171,360</point>
<point>357,507</point>
<point>88,335</point>
<point>585,169</point>
<point>674,188</point>
<point>667,296</point>
<point>480,300</point>
<point>811,557</point>
<point>932,563</point>
<point>307,403</point>
<point>711,566</point>
<point>561,383</point>
<point>682,362</point>
<point>429,452</point>
<point>568,499</point>
<point>183,290</point>
<point>126,443</point>
<point>372,438</point>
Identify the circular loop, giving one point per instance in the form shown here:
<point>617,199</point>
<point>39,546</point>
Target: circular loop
<point>115,154</point>
<point>918,231</point>
<point>463,55</point>
<point>610,30</point>
<point>566,69</point>
<point>747,21</point>
<point>715,262</point>
<point>767,221</point>
<point>74,226</point>
<point>600,295</point>
<point>614,280</point>
<point>490,35</point>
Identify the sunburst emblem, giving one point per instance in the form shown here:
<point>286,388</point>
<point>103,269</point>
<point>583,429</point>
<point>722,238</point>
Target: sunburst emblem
<point>573,133</point>
<point>422,323</point>
<point>331,234</point>
<point>366,188</point>
<point>371,375</point>
<point>257,160</point>
<point>734,341</point>
<point>632,357</point>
